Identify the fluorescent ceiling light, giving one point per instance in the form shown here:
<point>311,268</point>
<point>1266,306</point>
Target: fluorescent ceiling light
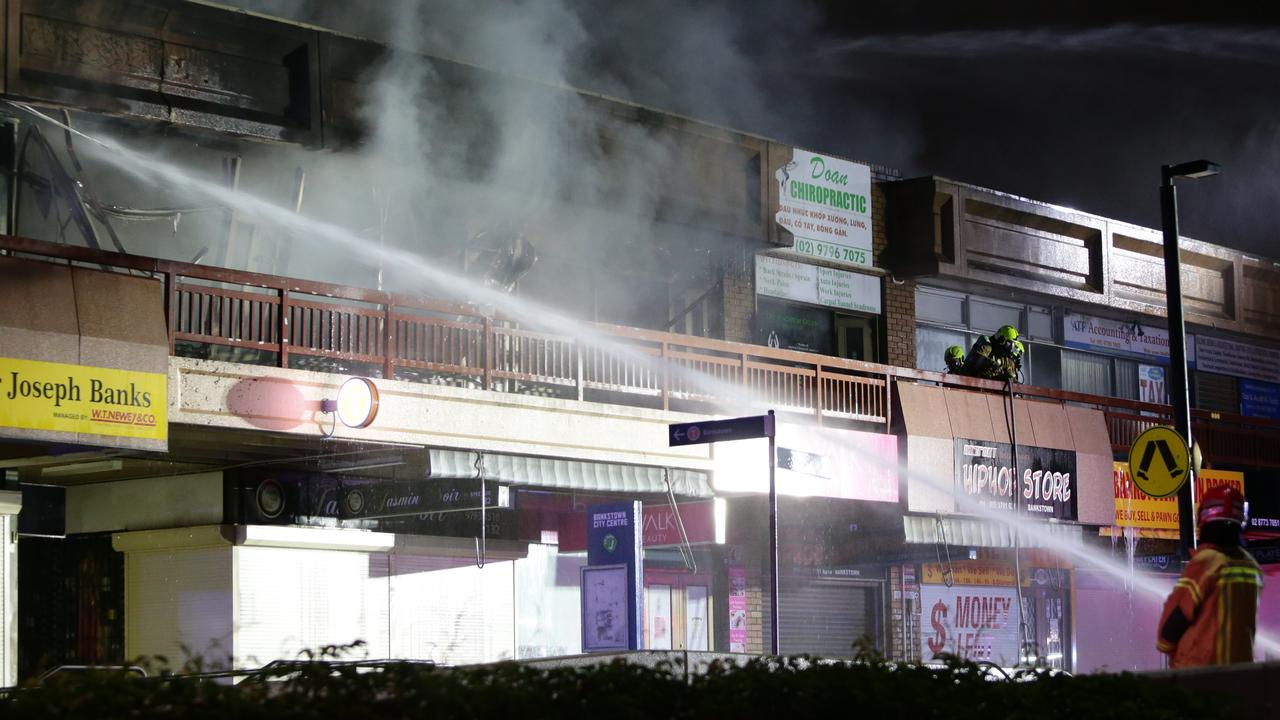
<point>99,466</point>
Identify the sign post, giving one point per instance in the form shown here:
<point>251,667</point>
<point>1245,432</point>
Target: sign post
<point>1159,462</point>
<point>612,602</point>
<point>745,428</point>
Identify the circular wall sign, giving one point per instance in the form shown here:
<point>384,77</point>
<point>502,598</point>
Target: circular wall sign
<point>357,402</point>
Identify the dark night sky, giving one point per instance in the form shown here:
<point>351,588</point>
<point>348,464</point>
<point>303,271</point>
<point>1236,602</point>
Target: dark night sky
<point>1073,103</point>
<point>1071,107</point>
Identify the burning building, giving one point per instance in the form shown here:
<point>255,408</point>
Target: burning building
<point>216,220</point>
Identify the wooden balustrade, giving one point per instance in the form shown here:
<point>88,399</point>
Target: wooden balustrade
<point>301,322</point>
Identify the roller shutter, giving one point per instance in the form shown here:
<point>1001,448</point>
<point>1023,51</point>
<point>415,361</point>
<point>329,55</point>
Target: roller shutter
<point>820,616</point>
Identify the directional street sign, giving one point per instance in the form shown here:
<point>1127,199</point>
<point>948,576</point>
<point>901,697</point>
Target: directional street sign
<point>743,428</point>
<point>1158,461</point>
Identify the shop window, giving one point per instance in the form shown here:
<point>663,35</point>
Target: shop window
<point>1126,379</point>
<point>856,337</point>
<point>1043,365</point>
<point>1216,392</point>
<point>677,614</point>
<point>1039,323</point>
<point>986,317</point>
<point>931,343</point>
<point>1086,373</point>
<point>939,307</point>
<point>791,326</point>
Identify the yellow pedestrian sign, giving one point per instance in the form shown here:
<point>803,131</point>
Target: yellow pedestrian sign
<point>1159,462</point>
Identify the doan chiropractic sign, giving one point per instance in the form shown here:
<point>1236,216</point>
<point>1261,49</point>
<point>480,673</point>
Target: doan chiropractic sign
<point>825,203</point>
<point>75,399</point>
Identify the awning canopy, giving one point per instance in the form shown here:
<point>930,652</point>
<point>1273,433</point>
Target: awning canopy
<point>938,422</point>
<point>559,474</point>
<point>976,532</point>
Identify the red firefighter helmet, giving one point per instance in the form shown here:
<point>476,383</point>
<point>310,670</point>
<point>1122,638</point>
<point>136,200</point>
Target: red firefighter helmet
<point>1223,502</point>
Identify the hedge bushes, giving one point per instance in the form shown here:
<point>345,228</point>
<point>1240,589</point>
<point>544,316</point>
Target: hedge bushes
<point>787,691</point>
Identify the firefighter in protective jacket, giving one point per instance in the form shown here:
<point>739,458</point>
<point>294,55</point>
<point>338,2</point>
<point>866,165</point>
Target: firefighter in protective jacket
<point>1210,617</point>
<point>998,357</point>
<point>954,357</point>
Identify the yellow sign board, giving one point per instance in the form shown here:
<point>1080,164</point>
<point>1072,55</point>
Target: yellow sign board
<point>37,395</point>
<point>968,572</point>
<point>1158,517</point>
<point>1159,462</point>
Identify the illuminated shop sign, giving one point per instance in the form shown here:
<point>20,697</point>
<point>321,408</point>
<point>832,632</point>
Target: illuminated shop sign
<point>77,399</point>
<point>1044,484</point>
<point>813,462</point>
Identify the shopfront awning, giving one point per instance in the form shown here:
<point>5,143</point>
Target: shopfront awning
<point>559,474</point>
<point>976,532</point>
<point>953,436</point>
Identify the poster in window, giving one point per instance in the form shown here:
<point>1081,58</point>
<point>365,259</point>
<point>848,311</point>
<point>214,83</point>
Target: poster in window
<point>604,608</point>
<point>794,327</point>
<point>1151,384</point>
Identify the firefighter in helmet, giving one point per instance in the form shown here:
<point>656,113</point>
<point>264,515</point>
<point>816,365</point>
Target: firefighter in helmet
<point>998,357</point>
<point>954,357</point>
<point>1211,615</point>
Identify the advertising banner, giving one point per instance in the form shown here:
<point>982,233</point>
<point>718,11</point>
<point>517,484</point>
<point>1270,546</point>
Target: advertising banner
<point>1238,359</point>
<point>1259,399</point>
<point>1135,508</point>
<point>1115,336</point>
<point>77,399</point>
<point>978,623</point>
<point>826,203</point>
<point>1044,487</point>
<point>802,282</point>
<point>968,572</point>
<point>737,608</point>
<point>447,507</point>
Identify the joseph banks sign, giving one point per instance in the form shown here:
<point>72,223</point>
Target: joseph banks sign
<point>76,399</point>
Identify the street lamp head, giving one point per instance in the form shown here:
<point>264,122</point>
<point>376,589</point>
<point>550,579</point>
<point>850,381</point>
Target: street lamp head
<point>1194,169</point>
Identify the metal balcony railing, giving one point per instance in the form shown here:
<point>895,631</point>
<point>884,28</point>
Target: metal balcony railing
<point>258,318</point>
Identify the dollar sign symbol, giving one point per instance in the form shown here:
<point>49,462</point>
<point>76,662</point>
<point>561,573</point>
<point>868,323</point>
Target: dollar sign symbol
<point>939,639</point>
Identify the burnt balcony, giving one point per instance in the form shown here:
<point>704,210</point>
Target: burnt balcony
<point>222,314</point>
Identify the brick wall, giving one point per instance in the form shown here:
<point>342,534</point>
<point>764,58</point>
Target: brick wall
<point>739,303</point>
<point>900,321</point>
<point>899,296</point>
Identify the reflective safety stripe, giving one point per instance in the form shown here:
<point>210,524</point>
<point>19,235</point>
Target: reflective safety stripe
<point>1240,575</point>
<point>1192,588</point>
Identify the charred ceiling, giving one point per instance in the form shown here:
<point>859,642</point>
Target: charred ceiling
<point>166,60</point>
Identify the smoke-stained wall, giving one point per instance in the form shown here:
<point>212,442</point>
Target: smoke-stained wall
<point>628,212</point>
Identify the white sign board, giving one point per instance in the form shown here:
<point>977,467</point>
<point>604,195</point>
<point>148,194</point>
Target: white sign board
<point>1112,336</point>
<point>826,203</point>
<point>813,462</point>
<point>1237,359</point>
<point>973,622</point>
<point>817,285</point>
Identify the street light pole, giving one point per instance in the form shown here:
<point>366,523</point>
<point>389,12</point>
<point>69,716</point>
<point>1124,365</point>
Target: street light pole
<point>1178,388</point>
